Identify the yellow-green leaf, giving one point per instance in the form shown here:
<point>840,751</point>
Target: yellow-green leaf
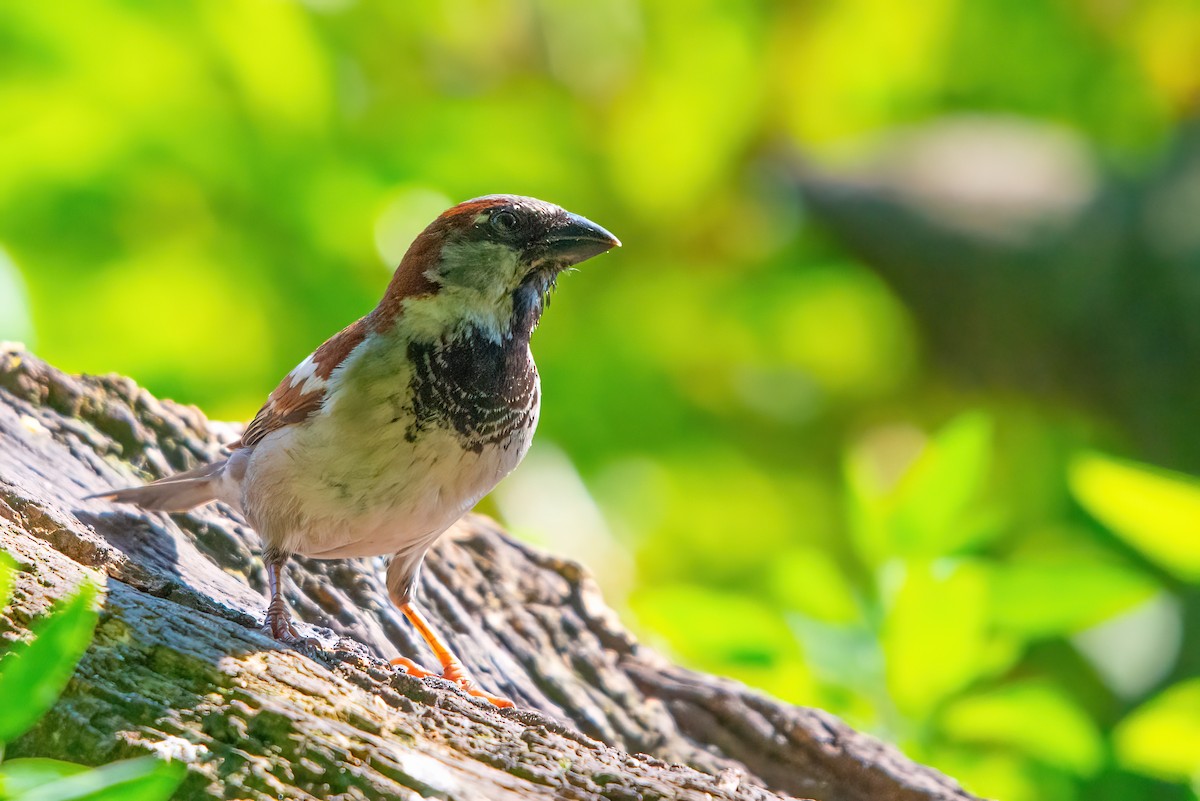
<point>1161,738</point>
<point>810,581</point>
<point>1154,510</point>
<point>34,673</point>
<point>141,779</point>
<point>1045,597</point>
<point>726,633</point>
<point>8,570</point>
<point>1037,719</point>
<point>935,634</point>
<point>18,776</point>
<point>936,508</point>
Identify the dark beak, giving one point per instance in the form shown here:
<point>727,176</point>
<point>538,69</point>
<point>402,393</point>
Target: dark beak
<point>574,239</point>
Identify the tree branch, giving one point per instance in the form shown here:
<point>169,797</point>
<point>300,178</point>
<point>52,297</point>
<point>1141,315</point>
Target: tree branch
<point>177,667</point>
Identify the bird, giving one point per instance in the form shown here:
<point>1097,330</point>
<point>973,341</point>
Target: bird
<point>386,434</point>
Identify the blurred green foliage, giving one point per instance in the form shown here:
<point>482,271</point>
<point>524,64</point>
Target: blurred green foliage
<point>33,673</point>
<point>742,434</point>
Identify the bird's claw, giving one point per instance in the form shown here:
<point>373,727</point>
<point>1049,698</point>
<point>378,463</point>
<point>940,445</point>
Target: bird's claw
<point>456,674</point>
<point>412,668</point>
<point>279,627</point>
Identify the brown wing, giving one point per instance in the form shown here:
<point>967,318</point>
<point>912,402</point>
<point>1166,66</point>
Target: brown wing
<point>302,391</point>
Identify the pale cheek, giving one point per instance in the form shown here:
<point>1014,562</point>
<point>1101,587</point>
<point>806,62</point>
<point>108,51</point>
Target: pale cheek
<point>483,266</point>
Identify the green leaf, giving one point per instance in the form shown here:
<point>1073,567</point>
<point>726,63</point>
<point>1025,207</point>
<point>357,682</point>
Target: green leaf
<point>936,510</point>
<point>866,507</point>
<point>141,779</point>
<point>935,637</point>
<point>1035,718</point>
<point>713,625</point>
<point>996,773</point>
<point>1161,738</point>
<point>34,673</point>
<point>21,775</point>
<point>8,573</point>
<point>808,580</point>
<point>1153,510</point>
<point>726,633</point>
<point>1045,597</point>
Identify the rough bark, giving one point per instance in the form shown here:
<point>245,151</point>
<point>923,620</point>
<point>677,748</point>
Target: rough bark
<point>178,668</point>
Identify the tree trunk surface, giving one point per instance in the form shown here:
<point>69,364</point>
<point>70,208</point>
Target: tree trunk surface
<point>178,668</point>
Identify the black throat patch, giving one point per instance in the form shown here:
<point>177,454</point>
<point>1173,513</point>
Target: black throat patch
<point>484,391</point>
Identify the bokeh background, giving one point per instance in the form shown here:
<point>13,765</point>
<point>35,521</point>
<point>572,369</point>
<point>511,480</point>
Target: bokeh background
<point>888,404</point>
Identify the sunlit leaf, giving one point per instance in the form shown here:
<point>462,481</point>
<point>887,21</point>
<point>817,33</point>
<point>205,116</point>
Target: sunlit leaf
<point>8,570</point>
<point>1162,737</point>
<point>20,775</point>
<point>141,779</point>
<point>36,671</point>
<point>725,633</point>
<point>1154,510</point>
<point>1036,718</point>
<point>936,505</point>
<point>715,625</point>
<point>807,580</point>
<point>992,773</point>
<point>866,507</point>
<point>935,638</point>
<point>1044,597</point>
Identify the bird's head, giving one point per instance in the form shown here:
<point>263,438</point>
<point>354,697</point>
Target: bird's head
<point>489,263</point>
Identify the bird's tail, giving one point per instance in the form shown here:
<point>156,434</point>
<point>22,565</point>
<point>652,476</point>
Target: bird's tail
<point>176,493</point>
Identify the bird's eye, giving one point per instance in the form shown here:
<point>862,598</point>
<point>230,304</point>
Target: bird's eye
<point>504,221</point>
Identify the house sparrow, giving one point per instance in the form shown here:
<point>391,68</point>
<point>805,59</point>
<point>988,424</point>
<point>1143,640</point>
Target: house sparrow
<point>395,427</point>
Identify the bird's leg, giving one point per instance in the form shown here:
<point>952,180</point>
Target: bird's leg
<point>452,668</point>
<point>278,623</point>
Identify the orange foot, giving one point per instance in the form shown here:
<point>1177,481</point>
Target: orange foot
<point>456,673</point>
